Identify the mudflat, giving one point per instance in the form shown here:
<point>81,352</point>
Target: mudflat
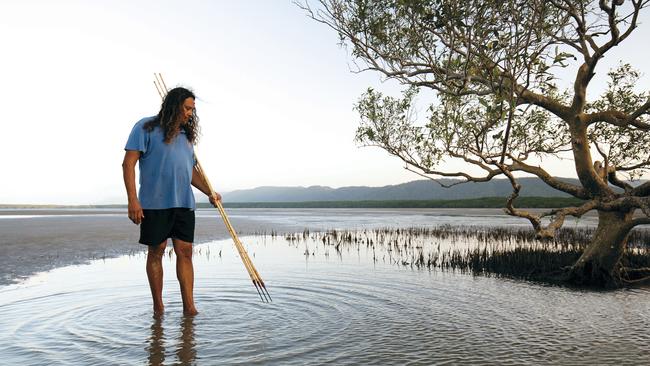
<point>39,240</point>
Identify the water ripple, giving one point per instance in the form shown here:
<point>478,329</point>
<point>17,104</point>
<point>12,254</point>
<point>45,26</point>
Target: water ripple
<point>325,310</point>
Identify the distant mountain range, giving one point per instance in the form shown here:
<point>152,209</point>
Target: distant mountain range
<point>415,190</point>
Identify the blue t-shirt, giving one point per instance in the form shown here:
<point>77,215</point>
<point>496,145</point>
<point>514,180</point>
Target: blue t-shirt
<point>165,169</point>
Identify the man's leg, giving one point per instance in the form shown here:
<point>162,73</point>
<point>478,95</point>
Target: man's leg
<point>155,275</point>
<point>185,274</point>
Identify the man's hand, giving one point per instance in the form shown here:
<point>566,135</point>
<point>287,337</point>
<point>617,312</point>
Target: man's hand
<point>214,198</point>
<point>135,212</point>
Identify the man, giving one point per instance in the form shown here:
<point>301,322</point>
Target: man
<point>164,207</point>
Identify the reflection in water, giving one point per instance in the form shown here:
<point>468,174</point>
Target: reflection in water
<point>156,343</point>
<point>185,349</point>
<point>351,305</point>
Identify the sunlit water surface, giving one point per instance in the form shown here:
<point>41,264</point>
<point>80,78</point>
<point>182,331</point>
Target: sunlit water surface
<point>347,307</point>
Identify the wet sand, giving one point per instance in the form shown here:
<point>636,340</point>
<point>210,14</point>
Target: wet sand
<point>52,238</point>
<point>58,239</point>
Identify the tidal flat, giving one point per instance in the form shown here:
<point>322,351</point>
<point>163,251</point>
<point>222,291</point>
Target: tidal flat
<point>334,301</point>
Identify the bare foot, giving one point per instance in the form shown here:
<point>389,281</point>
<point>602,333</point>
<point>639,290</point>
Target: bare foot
<point>158,312</point>
<point>190,312</point>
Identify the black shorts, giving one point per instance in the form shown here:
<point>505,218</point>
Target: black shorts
<point>175,223</point>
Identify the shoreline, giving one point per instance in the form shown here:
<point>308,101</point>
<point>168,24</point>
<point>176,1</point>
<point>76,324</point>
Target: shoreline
<point>37,240</point>
<point>526,202</point>
<point>46,242</point>
<point>122,211</point>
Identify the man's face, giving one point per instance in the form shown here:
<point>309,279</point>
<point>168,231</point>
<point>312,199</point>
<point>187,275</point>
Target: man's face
<point>187,108</point>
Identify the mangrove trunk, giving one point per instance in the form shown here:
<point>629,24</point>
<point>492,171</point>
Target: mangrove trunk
<point>599,265</point>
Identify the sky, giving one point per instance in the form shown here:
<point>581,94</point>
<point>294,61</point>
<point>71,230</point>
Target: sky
<point>275,95</point>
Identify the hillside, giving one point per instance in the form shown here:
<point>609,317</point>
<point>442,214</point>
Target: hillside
<point>411,191</point>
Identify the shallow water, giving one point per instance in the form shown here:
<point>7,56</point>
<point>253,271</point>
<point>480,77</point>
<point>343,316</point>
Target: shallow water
<point>343,307</point>
<point>348,218</point>
<point>326,218</point>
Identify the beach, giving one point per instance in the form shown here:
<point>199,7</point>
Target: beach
<point>37,240</point>
<point>56,238</point>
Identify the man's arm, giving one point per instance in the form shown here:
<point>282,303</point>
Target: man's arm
<point>199,183</point>
<point>131,157</point>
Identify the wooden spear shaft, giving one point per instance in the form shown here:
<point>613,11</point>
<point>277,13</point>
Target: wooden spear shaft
<point>161,87</point>
<point>248,264</point>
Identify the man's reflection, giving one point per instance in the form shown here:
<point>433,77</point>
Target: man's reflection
<point>156,343</point>
<point>185,349</point>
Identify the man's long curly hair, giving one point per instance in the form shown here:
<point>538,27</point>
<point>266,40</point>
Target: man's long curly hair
<point>169,116</point>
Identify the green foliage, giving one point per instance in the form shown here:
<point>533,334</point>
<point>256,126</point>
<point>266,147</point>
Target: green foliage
<point>493,68</point>
<point>475,39</point>
<point>624,146</point>
<point>387,122</point>
<point>473,54</point>
<point>484,59</point>
<point>468,126</point>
